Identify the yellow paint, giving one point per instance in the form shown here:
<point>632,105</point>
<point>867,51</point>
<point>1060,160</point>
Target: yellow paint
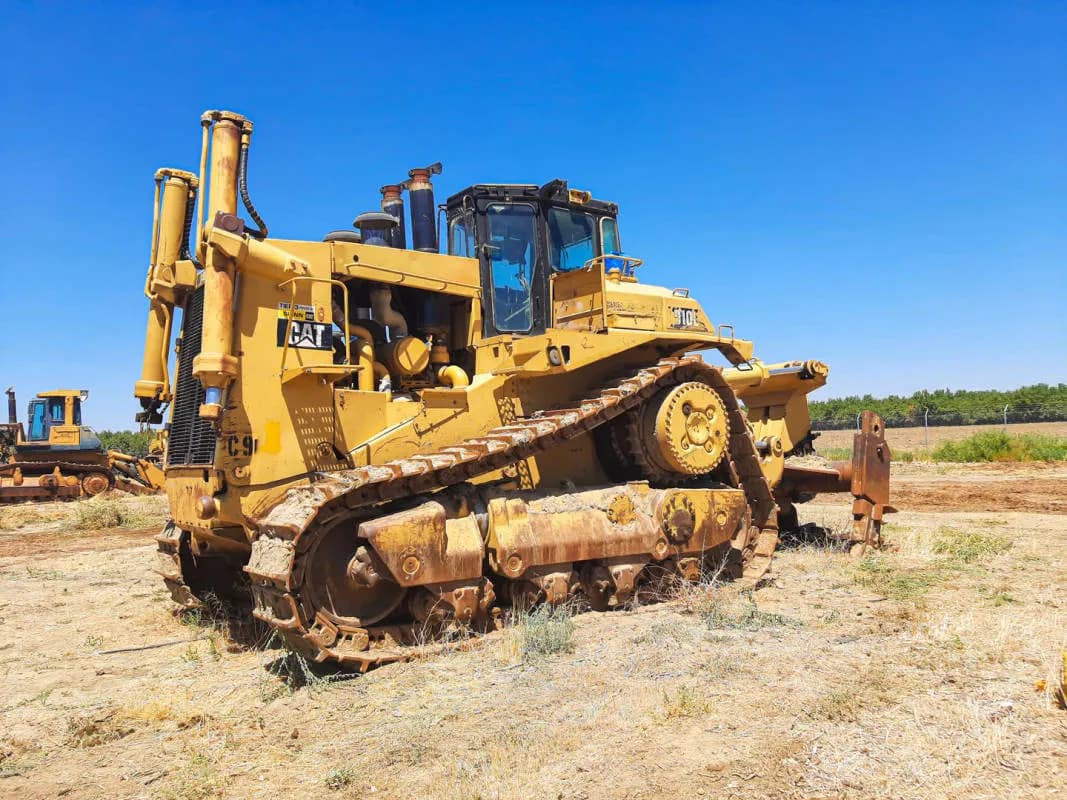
<point>272,437</point>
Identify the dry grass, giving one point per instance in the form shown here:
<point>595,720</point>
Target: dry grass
<point>102,726</point>
<point>198,778</point>
<point>909,675</point>
<point>105,511</point>
<point>25,515</point>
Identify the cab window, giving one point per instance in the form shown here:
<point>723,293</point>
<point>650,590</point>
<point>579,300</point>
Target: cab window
<point>55,410</point>
<point>38,426</point>
<point>609,237</point>
<point>461,237</point>
<point>570,238</point>
<point>512,237</point>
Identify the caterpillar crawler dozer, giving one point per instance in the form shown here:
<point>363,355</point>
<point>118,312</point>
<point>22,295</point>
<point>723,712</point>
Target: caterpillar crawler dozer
<point>375,441</point>
<point>59,458</point>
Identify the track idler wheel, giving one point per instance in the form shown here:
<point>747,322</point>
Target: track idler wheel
<point>95,483</point>
<point>346,581</point>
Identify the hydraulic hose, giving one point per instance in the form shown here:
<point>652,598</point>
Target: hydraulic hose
<point>242,185</point>
<point>188,252</point>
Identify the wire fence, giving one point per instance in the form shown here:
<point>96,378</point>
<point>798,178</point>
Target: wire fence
<point>1009,414</point>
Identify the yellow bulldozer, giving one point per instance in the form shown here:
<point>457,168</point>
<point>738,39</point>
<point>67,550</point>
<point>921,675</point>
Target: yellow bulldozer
<point>372,440</point>
<point>56,457</point>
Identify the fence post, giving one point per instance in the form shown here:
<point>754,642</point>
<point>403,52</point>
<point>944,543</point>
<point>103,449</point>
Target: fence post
<point>926,427</point>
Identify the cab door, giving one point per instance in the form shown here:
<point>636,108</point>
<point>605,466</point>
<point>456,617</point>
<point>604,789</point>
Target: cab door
<point>513,273</point>
<point>38,424</point>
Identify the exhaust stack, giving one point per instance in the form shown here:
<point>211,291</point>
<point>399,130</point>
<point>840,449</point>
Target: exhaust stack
<point>12,409</point>
<point>393,204</point>
<point>423,213</point>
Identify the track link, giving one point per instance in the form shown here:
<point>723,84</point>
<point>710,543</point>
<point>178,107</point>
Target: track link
<point>288,530</point>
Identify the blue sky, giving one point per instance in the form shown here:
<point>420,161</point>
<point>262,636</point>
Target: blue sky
<point>880,186</point>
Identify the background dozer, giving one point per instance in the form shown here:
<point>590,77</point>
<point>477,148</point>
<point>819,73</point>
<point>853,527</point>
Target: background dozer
<point>374,441</point>
<point>56,457</point>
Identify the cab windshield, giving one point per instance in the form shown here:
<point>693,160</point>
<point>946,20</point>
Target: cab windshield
<point>570,238</point>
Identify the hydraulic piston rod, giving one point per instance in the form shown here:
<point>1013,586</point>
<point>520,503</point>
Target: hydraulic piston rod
<point>216,366</point>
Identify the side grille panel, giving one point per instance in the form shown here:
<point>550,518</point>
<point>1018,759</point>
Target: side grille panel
<point>192,439</point>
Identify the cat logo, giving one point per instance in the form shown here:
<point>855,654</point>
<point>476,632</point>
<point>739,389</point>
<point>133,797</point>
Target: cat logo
<point>304,332</point>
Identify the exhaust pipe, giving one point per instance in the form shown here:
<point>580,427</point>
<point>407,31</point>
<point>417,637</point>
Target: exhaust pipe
<point>393,204</point>
<point>12,409</point>
<point>423,213</point>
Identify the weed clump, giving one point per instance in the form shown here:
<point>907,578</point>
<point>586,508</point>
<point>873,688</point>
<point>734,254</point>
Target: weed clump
<point>999,446</point>
<point>723,612</point>
<point>337,779</point>
<point>886,576</point>
<point>292,671</point>
<point>545,630</point>
<point>686,701</point>
<point>198,779</point>
<point>967,547</point>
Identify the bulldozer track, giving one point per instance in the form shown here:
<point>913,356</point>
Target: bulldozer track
<point>73,466</point>
<point>43,467</point>
<point>288,530</point>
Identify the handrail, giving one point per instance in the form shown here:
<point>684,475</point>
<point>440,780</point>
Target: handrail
<point>292,308</point>
<point>444,282</point>
<point>626,264</point>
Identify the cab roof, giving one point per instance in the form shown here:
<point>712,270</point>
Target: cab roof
<point>556,192</point>
<point>82,393</point>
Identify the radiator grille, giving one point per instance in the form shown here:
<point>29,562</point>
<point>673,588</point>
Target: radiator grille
<point>192,439</point>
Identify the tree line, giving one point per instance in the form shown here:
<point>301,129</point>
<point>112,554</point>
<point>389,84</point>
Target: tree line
<point>1041,402</point>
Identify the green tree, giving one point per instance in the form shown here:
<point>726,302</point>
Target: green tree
<point>134,443</point>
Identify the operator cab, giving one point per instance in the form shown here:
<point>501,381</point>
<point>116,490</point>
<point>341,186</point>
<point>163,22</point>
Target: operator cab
<point>49,409</point>
<point>521,234</point>
<point>54,421</point>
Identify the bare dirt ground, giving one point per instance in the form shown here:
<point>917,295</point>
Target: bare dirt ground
<point>913,440</point>
<point>908,675</point>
